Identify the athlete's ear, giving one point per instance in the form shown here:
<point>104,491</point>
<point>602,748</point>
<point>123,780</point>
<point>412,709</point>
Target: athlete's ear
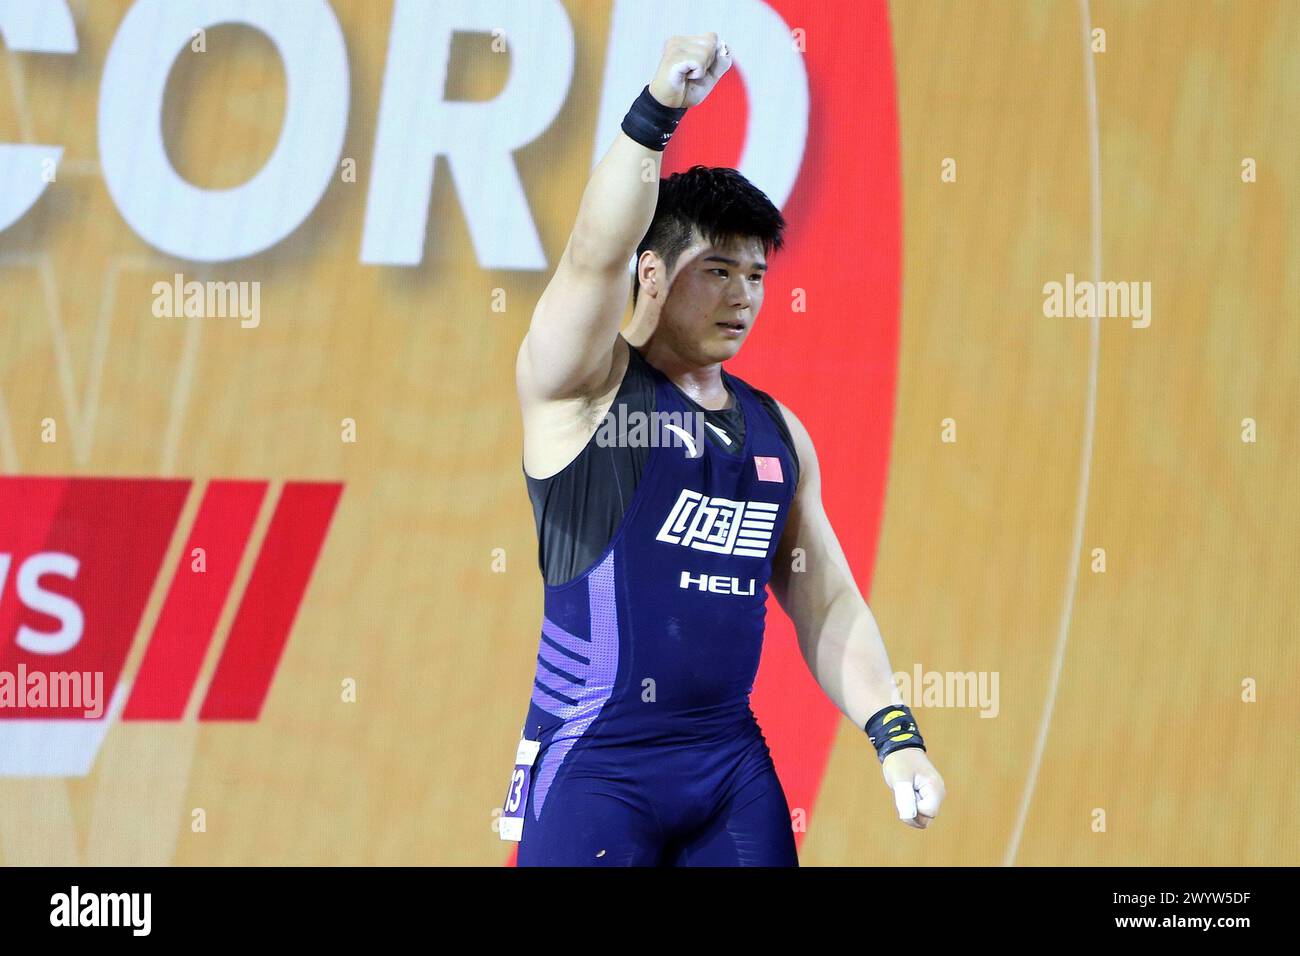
<point>651,274</point>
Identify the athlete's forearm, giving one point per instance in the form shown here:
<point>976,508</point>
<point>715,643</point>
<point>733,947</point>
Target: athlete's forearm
<point>617,206</point>
<point>847,657</point>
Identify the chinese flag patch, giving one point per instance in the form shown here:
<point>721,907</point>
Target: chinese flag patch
<point>769,469</point>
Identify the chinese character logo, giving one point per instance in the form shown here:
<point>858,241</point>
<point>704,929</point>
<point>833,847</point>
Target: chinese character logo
<point>720,525</point>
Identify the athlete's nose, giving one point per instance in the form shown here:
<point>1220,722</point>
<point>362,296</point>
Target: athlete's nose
<point>742,299</point>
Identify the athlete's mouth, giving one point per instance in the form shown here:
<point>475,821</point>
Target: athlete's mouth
<point>736,327</point>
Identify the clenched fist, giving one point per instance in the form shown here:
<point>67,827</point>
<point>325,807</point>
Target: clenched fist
<point>918,788</point>
<point>690,68</point>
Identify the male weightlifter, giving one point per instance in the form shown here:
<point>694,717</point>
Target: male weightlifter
<point>639,745</point>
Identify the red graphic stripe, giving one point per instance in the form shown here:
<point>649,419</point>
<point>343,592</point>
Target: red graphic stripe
<point>836,365</point>
<point>194,601</point>
<point>28,507</point>
<point>270,603</point>
<point>115,531</point>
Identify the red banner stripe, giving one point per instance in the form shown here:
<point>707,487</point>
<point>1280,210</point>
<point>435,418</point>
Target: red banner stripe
<point>270,604</point>
<point>28,507</point>
<point>116,530</point>
<point>845,232</point>
<point>194,601</point>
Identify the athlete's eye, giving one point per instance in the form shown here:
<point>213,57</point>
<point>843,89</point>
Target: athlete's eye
<point>757,276</point>
<point>721,272</point>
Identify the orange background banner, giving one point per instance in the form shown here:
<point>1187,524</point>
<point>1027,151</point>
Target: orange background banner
<point>1088,523</point>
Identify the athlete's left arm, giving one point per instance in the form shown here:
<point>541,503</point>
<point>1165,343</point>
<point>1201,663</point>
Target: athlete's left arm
<point>838,635</point>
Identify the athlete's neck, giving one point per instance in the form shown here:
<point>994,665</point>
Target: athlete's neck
<point>701,383</point>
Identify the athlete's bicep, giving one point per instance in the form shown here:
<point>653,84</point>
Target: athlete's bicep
<point>811,570</point>
<point>569,348</point>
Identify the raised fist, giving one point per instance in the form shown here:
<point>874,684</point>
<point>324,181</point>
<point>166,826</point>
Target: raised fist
<point>689,69</point>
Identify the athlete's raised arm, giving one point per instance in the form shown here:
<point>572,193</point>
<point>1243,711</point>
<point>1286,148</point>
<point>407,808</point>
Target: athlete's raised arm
<point>568,352</point>
<point>838,634</point>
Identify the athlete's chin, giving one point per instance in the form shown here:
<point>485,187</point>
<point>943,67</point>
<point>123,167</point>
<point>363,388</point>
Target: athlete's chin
<point>721,348</point>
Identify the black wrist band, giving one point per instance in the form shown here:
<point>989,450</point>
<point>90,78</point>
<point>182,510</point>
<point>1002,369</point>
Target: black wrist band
<point>893,728</point>
<point>650,123</point>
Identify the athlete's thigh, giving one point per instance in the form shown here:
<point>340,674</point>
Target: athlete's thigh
<point>751,829</point>
<point>585,821</point>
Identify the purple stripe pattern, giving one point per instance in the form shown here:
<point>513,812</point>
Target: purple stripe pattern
<point>576,694</point>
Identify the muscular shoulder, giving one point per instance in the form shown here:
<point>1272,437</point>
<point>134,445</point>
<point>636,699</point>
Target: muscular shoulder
<point>799,437</point>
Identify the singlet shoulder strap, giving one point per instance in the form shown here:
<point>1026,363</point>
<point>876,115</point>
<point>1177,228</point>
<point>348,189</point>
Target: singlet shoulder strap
<point>773,410</point>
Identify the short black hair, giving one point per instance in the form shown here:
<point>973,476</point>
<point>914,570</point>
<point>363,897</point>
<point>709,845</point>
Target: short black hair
<point>718,202</point>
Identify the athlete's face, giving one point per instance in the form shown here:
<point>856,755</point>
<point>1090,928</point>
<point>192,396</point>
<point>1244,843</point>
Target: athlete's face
<point>714,298</point>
